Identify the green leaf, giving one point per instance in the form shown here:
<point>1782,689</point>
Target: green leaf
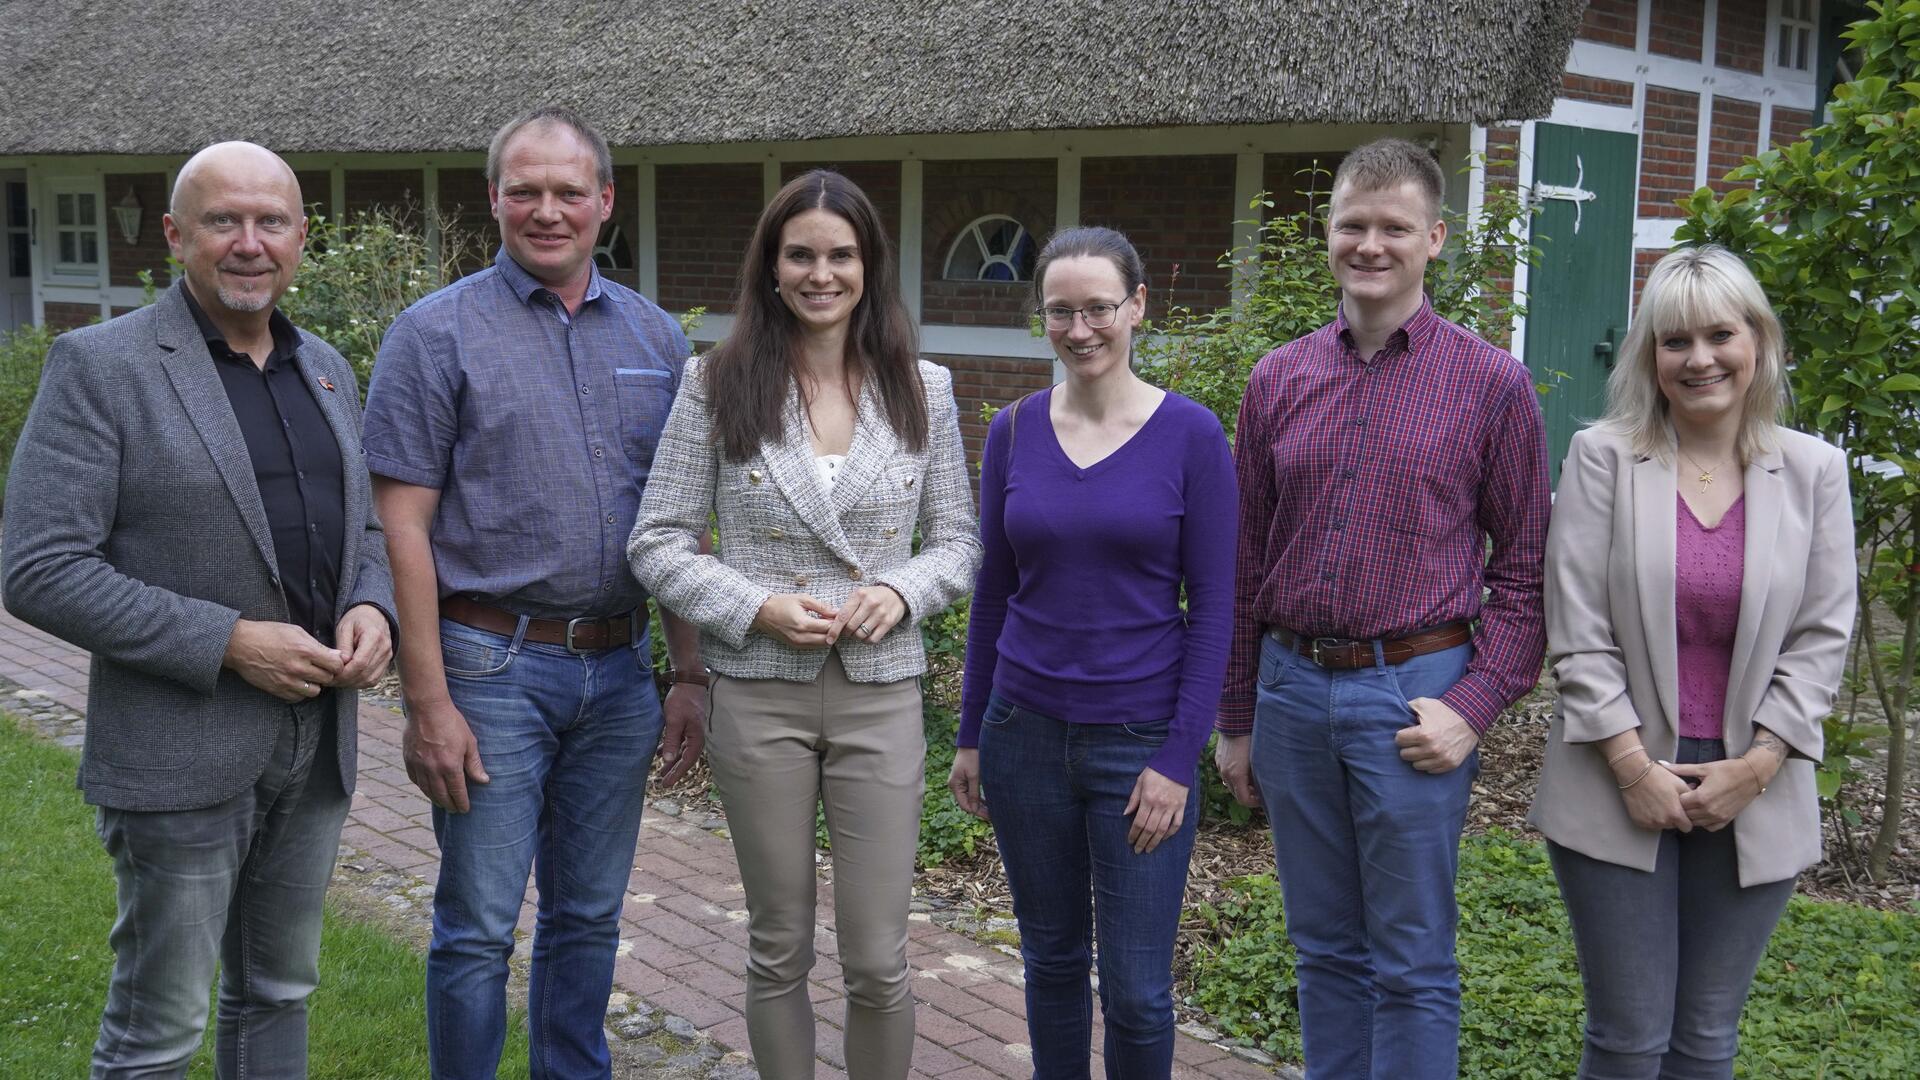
<point>1904,383</point>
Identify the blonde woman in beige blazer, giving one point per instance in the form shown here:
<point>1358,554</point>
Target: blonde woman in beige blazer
<point>1678,795</point>
<point>822,447</point>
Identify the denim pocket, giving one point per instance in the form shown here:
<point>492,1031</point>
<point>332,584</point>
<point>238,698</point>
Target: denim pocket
<point>1274,664</point>
<point>466,656</point>
<point>999,711</point>
<point>1151,732</point>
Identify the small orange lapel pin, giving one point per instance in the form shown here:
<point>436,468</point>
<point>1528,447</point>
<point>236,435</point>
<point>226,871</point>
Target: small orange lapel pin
<point>326,384</point>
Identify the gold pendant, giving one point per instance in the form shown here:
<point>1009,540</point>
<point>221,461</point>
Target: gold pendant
<point>1705,479</point>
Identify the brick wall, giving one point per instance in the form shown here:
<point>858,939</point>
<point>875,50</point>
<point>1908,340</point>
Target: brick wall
<point>316,190</point>
<point>705,215</point>
<point>62,316</point>
<point>1296,182</point>
<point>1734,138</point>
<point>464,210</point>
<point>1667,151</point>
<point>1179,213</point>
<point>1789,126</point>
<point>1643,261</point>
<point>1677,28</point>
<point>393,189</point>
<point>879,179</point>
<point>1740,35</point>
<point>957,193</point>
<point>1603,91</point>
<point>124,260</point>
<point>1611,22</point>
<point>995,380</point>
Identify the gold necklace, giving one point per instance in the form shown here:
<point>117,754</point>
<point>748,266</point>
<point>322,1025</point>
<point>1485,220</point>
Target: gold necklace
<point>1706,475</point>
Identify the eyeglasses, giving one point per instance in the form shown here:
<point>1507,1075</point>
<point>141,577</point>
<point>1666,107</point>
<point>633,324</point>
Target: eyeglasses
<point>1098,316</point>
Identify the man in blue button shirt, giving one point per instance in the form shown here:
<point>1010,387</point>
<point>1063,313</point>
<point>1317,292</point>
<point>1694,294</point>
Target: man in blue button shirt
<point>511,424</point>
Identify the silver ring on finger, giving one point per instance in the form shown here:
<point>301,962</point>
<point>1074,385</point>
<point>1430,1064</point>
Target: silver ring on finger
<point>865,629</point>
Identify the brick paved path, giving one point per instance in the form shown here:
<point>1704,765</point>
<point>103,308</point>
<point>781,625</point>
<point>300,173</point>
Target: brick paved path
<point>683,947</point>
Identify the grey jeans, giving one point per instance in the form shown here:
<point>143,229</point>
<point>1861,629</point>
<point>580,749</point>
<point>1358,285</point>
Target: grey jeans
<point>1667,957</point>
<point>240,882</point>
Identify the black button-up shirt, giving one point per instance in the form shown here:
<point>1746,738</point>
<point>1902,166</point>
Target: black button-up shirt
<point>296,464</point>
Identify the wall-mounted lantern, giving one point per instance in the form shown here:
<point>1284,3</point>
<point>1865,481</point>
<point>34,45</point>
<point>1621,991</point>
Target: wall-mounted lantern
<point>127,213</point>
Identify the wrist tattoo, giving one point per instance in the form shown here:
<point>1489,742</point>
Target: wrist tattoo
<point>1771,743</point>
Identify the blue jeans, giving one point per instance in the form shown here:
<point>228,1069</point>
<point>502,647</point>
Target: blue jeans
<point>1667,957</point>
<point>1057,792</point>
<point>567,741</point>
<point>1367,847</point>
<point>242,881</point>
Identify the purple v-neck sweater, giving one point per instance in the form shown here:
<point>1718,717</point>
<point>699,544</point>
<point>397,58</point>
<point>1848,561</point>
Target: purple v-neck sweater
<point>1076,610</point>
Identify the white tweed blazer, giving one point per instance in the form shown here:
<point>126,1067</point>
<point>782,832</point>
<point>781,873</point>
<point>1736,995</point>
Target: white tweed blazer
<point>780,531</point>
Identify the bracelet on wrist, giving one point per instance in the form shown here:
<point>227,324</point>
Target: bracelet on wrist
<point>1643,775</point>
<point>1755,770</point>
<point>1636,748</point>
<point>695,677</point>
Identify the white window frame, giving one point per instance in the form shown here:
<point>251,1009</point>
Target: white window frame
<point>972,233</point>
<point>78,186</point>
<point>1780,24</point>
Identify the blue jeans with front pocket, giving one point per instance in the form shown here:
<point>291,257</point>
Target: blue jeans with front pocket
<point>1057,793</point>
<point>1366,847</point>
<point>566,740</point>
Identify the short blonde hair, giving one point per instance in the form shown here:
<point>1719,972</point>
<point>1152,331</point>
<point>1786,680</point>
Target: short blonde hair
<point>1690,288</point>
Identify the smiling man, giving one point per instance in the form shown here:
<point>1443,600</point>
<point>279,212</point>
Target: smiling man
<point>1375,636</point>
<point>187,503</point>
<point>511,427</point>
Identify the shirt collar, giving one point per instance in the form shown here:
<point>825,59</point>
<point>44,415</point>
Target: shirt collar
<point>1412,334</point>
<point>525,285</point>
<point>286,340</point>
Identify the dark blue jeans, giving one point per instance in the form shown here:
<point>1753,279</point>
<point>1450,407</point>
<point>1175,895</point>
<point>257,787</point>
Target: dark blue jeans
<point>1057,792</point>
<point>1667,957</point>
<point>1367,847</point>
<point>567,740</point>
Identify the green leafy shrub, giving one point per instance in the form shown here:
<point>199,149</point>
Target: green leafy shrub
<point>946,831</point>
<point>363,270</point>
<point>1838,994</point>
<point>22,354</point>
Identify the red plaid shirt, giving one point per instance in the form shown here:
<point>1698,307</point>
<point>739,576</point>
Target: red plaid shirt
<point>1368,492</point>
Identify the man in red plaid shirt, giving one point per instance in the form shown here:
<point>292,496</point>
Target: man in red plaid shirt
<point>1377,633</point>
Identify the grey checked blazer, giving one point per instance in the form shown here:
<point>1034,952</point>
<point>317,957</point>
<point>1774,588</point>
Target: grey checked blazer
<point>134,529</point>
<point>1613,641</point>
<point>781,532</point>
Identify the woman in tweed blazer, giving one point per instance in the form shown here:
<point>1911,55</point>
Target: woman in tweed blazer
<point>821,446</point>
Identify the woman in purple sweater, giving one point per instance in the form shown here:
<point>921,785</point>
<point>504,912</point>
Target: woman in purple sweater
<point>1089,689</point>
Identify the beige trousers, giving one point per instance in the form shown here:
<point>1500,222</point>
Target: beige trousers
<point>778,749</point>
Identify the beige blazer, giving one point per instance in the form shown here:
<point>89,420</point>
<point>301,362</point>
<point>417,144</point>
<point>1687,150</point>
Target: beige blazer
<point>781,531</point>
<point>1612,641</point>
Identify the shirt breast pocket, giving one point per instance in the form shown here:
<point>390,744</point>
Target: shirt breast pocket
<point>645,395</point>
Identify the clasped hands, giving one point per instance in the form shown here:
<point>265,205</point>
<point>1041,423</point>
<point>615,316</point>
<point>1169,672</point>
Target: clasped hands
<point>1659,797</point>
<point>805,623</point>
<point>287,662</point>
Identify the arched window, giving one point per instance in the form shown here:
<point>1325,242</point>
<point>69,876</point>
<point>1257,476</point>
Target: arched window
<point>992,248</point>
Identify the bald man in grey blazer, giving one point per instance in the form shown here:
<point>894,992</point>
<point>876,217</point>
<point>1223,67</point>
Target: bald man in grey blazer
<point>188,502</point>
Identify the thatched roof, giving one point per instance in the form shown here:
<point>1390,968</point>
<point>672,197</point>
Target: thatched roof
<point>107,76</point>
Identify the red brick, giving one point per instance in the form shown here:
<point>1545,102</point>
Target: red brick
<point>705,216</point>
<point>1740,35</point>
<point>1676,28</point>
<point>149,250</point>
<point>1736,137</point>
<point>1611,22</point>
<point>1603,91</point>
<point>396,190</point>
<point>1179,213</point>
<point>958,193</point>
<point>1789,126</point>
<point>1668,147</point>
<point>64,316</point>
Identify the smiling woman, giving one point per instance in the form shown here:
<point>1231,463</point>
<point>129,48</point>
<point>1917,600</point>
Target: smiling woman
<point>821,446</point>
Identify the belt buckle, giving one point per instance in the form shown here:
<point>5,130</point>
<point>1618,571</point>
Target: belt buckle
<point>1318,643</point>
<point>571,625</point>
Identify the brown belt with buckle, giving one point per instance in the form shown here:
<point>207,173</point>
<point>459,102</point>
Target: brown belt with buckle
<point>1344,653</point>
<point>578,635</point>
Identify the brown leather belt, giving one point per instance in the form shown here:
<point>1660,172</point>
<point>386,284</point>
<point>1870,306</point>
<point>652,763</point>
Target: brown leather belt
<point>578,635</point>
<point>1345,653</point>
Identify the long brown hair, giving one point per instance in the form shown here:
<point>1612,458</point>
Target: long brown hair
<point>747,373</point>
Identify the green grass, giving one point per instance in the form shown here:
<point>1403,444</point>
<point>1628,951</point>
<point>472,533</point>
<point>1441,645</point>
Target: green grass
<point>1838,995</point>
<point>367,1020</point>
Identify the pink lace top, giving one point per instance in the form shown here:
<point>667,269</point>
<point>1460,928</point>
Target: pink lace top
<point>1707,610</point>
